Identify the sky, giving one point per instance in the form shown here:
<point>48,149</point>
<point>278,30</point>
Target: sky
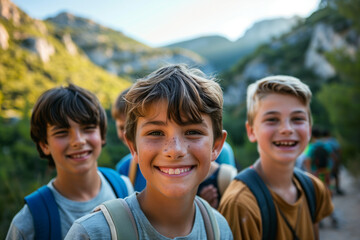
<point>161,22</point>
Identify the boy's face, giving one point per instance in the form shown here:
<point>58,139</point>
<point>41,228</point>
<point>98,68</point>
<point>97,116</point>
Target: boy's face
<point>120,128</point>
<point>74,149</point>
<point>281,128</point>
<point>174,159</point>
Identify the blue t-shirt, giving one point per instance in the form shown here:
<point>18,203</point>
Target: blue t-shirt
<point>95,226</point>
<point>123,167</point>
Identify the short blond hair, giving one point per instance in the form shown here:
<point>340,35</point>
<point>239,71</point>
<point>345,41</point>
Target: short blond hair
<point>281,84</point>
<point>188,94</point>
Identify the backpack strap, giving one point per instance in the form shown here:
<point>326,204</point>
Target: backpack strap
<point>45,213</point>
<point>225,176</point>
<point>211,225</point>
<point>122,223</point>
<point>309,190</point>
<point>264,199</point>
<point>120,219</point>
<point>116,182</point>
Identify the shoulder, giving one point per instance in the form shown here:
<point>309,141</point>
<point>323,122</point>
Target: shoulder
<point>93,225</point>
<point>234,190</point>
<point>240,208</point>
<point>238,200</point>
<point>22,226</point>
<point>225,231</point>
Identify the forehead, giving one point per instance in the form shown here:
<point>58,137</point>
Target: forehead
<point>283,103</point>
<point>157,112</point>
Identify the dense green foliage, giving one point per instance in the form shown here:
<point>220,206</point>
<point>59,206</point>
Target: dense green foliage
<point>341,98</point>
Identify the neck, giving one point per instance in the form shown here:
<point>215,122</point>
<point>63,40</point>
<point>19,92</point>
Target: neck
<point>278,178</point>
<point>171,217</point>
<point>78,187</point>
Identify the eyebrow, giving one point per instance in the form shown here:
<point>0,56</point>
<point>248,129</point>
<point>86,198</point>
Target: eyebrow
<point>276,112</point>
<point>56,127</point>
<point>162,123</point>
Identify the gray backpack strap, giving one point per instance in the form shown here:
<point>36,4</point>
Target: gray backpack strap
<point>120,219</point>
<point>211,225</point>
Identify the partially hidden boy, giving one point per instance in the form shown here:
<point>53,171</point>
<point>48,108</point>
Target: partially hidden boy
<point>279,202</point>
<point>174,131</point>
<point>68,125</point>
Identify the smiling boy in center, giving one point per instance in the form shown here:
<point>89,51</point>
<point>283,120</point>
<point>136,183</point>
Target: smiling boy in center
<point>174,131</point>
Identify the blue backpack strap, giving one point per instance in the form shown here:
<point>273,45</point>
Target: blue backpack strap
<point>45,213</point>
<point>309,190</point>
<point>116,182</point>
<point>264,199</point>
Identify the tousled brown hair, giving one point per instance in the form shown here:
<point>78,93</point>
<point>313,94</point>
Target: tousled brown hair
<point>56,105</point>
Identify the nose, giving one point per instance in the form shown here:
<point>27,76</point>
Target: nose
<point>77,138</point>
<point>286,127</point>
<point>175,148</point>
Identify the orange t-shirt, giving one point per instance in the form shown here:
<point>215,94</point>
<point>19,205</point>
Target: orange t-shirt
<point>239,206</point>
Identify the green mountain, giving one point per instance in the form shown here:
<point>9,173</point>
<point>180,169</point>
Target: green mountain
<point>221,53</point>
<point>35,57</point>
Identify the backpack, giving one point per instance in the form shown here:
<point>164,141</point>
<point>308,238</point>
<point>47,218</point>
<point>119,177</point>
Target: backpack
<point>265,202</point>
<point>225,176</point>
<point>44,209</point>
<point>320,156</point>
<point>123,227</point>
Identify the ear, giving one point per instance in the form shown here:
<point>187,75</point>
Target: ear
<point>132,149</point>
<point>45,148</point>
<point>218,144</point>
<point>250,132</point>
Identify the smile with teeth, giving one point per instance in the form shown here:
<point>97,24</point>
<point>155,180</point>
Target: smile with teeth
<point>175,171</point>
<point>78,155</point>
<point>285,143</point>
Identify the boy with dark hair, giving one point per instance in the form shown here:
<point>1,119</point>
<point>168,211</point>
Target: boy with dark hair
<point>174,131</point>
<point>279,120</point>
<point>68,125</point>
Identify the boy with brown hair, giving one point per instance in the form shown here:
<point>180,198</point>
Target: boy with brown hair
<point>279,120</point>
<point>174,131</point>
<point>68,126</point>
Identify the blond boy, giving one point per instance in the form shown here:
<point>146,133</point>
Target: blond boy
<point>279,120</point>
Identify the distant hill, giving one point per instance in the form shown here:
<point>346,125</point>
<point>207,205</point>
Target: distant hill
<point>222,53</point>
<point>114,51</point>
<point>35,57</point>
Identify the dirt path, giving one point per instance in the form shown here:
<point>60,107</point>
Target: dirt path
<point>347,209</point>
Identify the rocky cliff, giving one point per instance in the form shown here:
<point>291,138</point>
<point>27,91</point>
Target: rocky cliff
<point>114,51</point>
